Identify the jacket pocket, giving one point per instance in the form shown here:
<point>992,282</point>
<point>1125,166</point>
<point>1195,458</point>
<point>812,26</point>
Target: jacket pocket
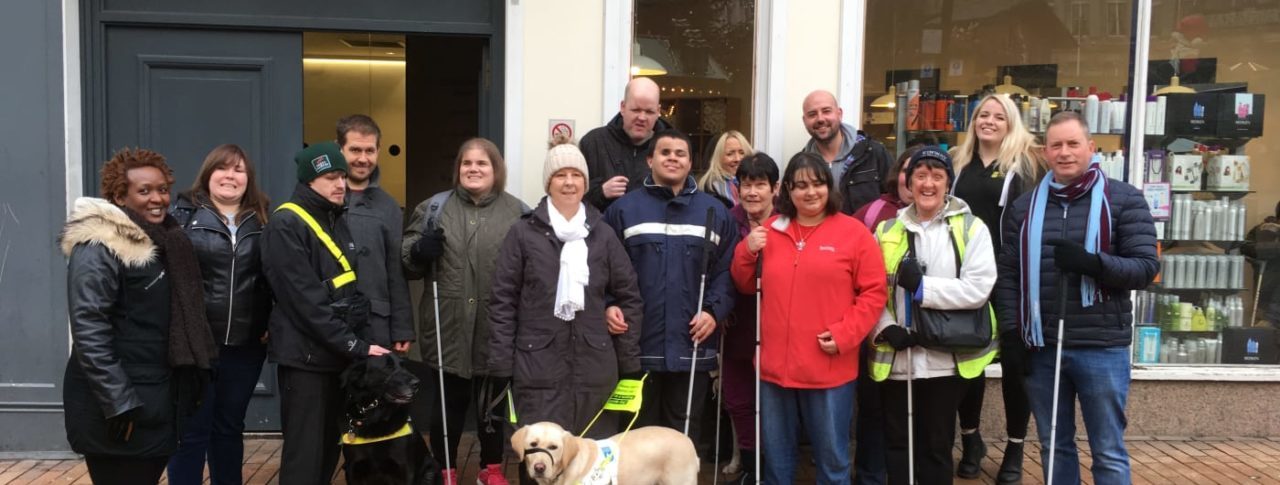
<point>151,384</point>
<point>538,365</point>
<point>380,307</point>
<point>598,361</point>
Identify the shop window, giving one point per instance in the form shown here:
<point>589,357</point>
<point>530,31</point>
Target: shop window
<point>942,57</point>
<point>1210,166</point>
<point>701,54</point>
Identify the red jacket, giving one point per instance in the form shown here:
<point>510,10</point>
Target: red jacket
<point>836,283</point>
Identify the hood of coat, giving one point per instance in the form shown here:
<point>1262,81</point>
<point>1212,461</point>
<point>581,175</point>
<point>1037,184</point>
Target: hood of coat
<point>954,206</point>
<point>96,221</point>
<point>620,134</point>
<point>543,217</point>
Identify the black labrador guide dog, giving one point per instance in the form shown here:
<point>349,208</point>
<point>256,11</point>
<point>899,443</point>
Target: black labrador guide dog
<point>380,445</point>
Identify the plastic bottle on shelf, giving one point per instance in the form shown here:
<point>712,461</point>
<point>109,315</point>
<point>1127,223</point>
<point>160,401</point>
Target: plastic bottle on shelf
<point>1118,161</point>
<point>1091,112</point>
<point>1240,230</point>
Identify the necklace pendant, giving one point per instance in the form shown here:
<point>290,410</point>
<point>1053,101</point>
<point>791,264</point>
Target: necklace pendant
<point>800,246</point>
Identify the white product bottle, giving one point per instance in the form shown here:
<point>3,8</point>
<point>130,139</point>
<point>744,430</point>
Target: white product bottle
<point>1104,116</point>
<point>1119,163</point>
<point>1091,112</point>
<point>1117,116</point>
<point>1046,112</point>
<point>1240,230</point>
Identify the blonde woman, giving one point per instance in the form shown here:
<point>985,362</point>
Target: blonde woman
<point>720,179</point>
<point>998,161</point>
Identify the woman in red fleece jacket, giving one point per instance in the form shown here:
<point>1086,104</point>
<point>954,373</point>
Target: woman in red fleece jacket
<point>823,288</point>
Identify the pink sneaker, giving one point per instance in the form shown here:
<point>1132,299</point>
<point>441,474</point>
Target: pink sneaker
<point>491,475</point>
<point>450,476</point>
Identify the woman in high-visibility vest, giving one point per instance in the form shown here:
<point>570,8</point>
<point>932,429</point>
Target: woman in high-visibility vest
<point>947,264</point>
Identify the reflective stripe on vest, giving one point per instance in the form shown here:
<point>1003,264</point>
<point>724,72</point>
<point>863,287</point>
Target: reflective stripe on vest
<point>347,276</point>
<point>892,235</point>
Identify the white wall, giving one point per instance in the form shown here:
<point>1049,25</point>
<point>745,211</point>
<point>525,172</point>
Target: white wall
<point>812,50</point>
<point>562,57</point>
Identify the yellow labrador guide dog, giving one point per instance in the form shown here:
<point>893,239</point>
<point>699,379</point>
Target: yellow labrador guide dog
<point>652,455</point>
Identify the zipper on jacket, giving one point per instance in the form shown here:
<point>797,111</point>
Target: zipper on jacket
<point>231,292</point>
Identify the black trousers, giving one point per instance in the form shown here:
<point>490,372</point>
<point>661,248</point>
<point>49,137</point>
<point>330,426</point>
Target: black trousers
<point>665,396</point>
<point>312,418</point>
<point>461,395</point>
<point>121,470</point>
<point>971,404</point>
<point>1017,410</point>
<point>936,401</point>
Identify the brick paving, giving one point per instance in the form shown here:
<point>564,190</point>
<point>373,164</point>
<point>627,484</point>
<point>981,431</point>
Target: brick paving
<point>1155,461</point>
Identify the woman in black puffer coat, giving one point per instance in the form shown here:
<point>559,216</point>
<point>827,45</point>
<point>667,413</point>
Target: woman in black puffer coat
<point>140,341</point>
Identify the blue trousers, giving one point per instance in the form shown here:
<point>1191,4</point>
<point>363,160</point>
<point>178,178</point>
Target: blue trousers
<point>825,414</point>
<point>216,431</point>
<point>1100,377</point>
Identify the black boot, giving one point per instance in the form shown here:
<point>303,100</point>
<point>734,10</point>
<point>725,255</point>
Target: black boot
<point>971,456</point>
<point>748,476</point>
<point>1011,465</point>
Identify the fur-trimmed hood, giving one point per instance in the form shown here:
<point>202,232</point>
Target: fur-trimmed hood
<point>97,221</point>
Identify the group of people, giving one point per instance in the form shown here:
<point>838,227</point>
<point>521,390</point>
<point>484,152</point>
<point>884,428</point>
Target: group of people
<point>628,268</point>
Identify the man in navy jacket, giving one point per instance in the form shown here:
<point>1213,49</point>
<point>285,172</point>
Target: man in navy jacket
<point>1095,235</point>
<point>663,226</point>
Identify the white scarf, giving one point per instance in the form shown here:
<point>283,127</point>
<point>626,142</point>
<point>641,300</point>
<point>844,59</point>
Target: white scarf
<point>574,273</point>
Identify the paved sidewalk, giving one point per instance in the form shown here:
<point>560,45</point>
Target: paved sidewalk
<point>1155,461</point>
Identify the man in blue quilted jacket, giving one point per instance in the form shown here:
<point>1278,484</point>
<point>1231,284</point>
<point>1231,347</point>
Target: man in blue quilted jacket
<point>1092,238</point>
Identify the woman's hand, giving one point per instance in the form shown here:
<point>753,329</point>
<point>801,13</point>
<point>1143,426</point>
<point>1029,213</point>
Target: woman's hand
<point>613,317</point>
<point>827,343</point>
<point>376,350</point>
<point>756,239</point>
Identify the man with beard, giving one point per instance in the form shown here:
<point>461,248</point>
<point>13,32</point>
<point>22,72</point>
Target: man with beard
<point>857,162</point>
<point>375,220</point>
<point>616,152</point>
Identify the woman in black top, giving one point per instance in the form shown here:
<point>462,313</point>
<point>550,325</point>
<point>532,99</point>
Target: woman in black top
<point>223,215</point>
<point>998,160</point>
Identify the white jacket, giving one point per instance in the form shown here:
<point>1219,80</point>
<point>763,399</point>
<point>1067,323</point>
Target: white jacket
<point>942,290</point>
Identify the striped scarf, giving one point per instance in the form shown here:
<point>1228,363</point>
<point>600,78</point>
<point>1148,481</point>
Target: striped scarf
<point>1097,238</point>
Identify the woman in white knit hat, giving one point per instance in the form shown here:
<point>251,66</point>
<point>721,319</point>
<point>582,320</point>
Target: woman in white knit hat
<point>558,269</point>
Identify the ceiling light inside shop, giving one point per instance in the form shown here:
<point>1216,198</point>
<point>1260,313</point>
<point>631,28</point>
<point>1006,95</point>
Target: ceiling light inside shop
<point>886,100</point>
<point>642,65</point>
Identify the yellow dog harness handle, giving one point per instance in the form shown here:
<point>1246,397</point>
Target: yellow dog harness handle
<point>347,276</point>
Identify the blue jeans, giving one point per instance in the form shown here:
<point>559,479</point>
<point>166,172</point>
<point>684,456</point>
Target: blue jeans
<point>217,428</point>
<point>1100,377</point>
<point>827,414</point>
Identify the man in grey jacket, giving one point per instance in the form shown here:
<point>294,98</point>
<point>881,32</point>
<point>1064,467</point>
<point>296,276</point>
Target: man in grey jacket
<point>375,220</point>
<point>858,163</point>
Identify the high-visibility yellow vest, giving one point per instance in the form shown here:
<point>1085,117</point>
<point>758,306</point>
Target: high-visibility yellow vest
<point>893,235</point>
<point>347,276</point>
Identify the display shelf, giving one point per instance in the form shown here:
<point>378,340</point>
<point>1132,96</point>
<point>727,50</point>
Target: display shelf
<point>1190,290</point>
<point>1228,193</point>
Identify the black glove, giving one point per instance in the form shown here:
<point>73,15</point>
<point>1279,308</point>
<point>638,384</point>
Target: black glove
<point>898,337</point>
<point>429,247</point>
<point>1013,354</point>
<point>1071,256</point>
<point>635,376</point>
<point>910,275</point>
<point>120,427</point>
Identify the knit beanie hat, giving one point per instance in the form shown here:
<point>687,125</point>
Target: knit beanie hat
<point>319,159</point>
<point>563,154</point>
<point>935,153</point>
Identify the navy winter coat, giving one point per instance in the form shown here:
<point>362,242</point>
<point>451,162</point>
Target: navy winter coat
<point>663,233</point>
<point>1130,264</point>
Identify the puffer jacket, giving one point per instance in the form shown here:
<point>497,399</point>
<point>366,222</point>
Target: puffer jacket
<point>237,298</point>
<point>118,304</point>
<point>609,153</point>
<point>306,332</point>
<point>561,371</point>
<point>473,234</point>
<point>1129,264</point>
<point>374,218</point>
<point>663,233</point>
<point>859,170</point>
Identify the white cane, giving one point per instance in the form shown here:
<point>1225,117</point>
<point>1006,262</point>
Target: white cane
<point>1057,375</point>
<point>697,312</point>
<point>444,415</point>
<point>715,463</point>
<point>911,420</point>
<point>759,264</point>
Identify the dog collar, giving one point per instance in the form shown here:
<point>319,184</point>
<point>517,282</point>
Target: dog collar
<point>350,438</point>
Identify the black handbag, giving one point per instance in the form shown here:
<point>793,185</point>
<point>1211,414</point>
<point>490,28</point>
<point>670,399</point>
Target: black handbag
<point>956,331</point>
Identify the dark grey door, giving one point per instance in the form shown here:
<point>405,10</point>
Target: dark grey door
<point>183,92</point>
